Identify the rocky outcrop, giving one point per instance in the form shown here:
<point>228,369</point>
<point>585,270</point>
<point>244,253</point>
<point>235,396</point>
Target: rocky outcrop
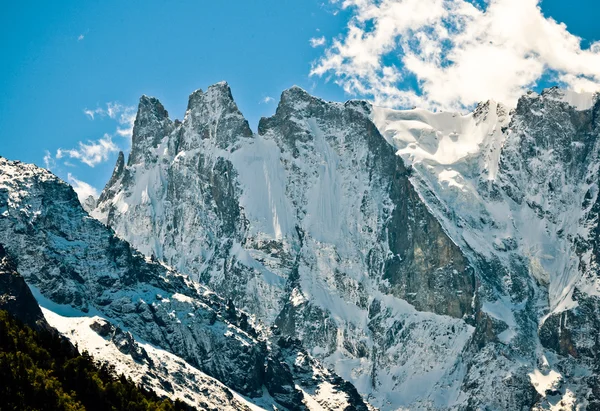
<point>123,340</point>
<point>16,297</point>
<point>151,124</point>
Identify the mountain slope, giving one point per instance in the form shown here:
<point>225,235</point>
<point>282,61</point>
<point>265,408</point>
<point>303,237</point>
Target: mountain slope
<point>41,371</point>
<point>16,298</point>
<point>77,268</point>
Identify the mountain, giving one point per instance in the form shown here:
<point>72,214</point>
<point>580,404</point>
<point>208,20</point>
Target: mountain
<point>311,225</point>
<point>434,260</point>
<point>342,253</point>
<point>184,338</point>
<point>518,192</point>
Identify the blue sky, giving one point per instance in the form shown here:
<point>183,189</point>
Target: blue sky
<point>60,58</point>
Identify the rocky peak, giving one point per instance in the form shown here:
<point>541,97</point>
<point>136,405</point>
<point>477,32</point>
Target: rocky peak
<point>296,101</point>
<point>89,204</point>
<point>117,174</point>
<point>213,116</point>
<point>118,170</point>
<point>295,95</point>
<point>292,125</point>
<point>151,125</point>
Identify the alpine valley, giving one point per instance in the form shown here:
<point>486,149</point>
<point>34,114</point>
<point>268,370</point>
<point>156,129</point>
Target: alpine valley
<point>344,256</point>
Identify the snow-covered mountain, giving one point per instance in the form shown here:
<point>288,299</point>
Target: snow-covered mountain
<point>518,192</point>
<point>311,225</point>
<point>183,338</point>
<point>431,260</point>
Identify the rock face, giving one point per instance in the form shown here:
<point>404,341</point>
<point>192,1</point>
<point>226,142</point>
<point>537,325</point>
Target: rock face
<point>78,267</point>
<point>517,191</point>
<point>16,297</point>
<point>311,225</point>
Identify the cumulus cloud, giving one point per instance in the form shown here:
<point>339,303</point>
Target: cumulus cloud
<point>451,54</point>
<point>317,41</point>
<point>267,99</point>
<point>91,153</point>
<point>83,189</point>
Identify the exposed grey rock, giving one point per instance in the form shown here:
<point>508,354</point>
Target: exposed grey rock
<point>16,297</point>
<point>123,340</point>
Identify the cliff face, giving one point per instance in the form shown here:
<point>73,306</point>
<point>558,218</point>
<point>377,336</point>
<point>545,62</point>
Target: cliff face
<point>518,192</point>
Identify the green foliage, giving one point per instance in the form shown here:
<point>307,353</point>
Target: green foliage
<point>42,371</point>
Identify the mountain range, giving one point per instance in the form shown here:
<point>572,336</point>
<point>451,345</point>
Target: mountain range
<point>344,256</point>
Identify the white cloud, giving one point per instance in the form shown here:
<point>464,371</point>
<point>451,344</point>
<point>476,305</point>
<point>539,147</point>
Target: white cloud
<point>317,41</point>
<point>49,162</point>
<point>81,37</point>
<point>451,54</point>
<point>126,120</point>
<point>92,113</point>
<point>267,99</point>
<point>83,189</point>
<point>91,153</point>
<point>95,152</point>
<point>124,115</point>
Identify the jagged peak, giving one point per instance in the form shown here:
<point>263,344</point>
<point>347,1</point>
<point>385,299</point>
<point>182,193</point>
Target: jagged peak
<point>297,94</point>
<point>120,161</point>
<point>579,100</point>
<point>214,115</point>
<point>296,89</point>
<point>151,105</point>
<point>116,175</point>
<point>293,101</point>
<point>219,93</point>
<point>151,124</point>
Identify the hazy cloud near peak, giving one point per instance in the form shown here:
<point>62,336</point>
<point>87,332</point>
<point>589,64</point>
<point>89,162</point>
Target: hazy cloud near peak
<point>124,115</point>
<point>83,189</point>
<point>451,54</point>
